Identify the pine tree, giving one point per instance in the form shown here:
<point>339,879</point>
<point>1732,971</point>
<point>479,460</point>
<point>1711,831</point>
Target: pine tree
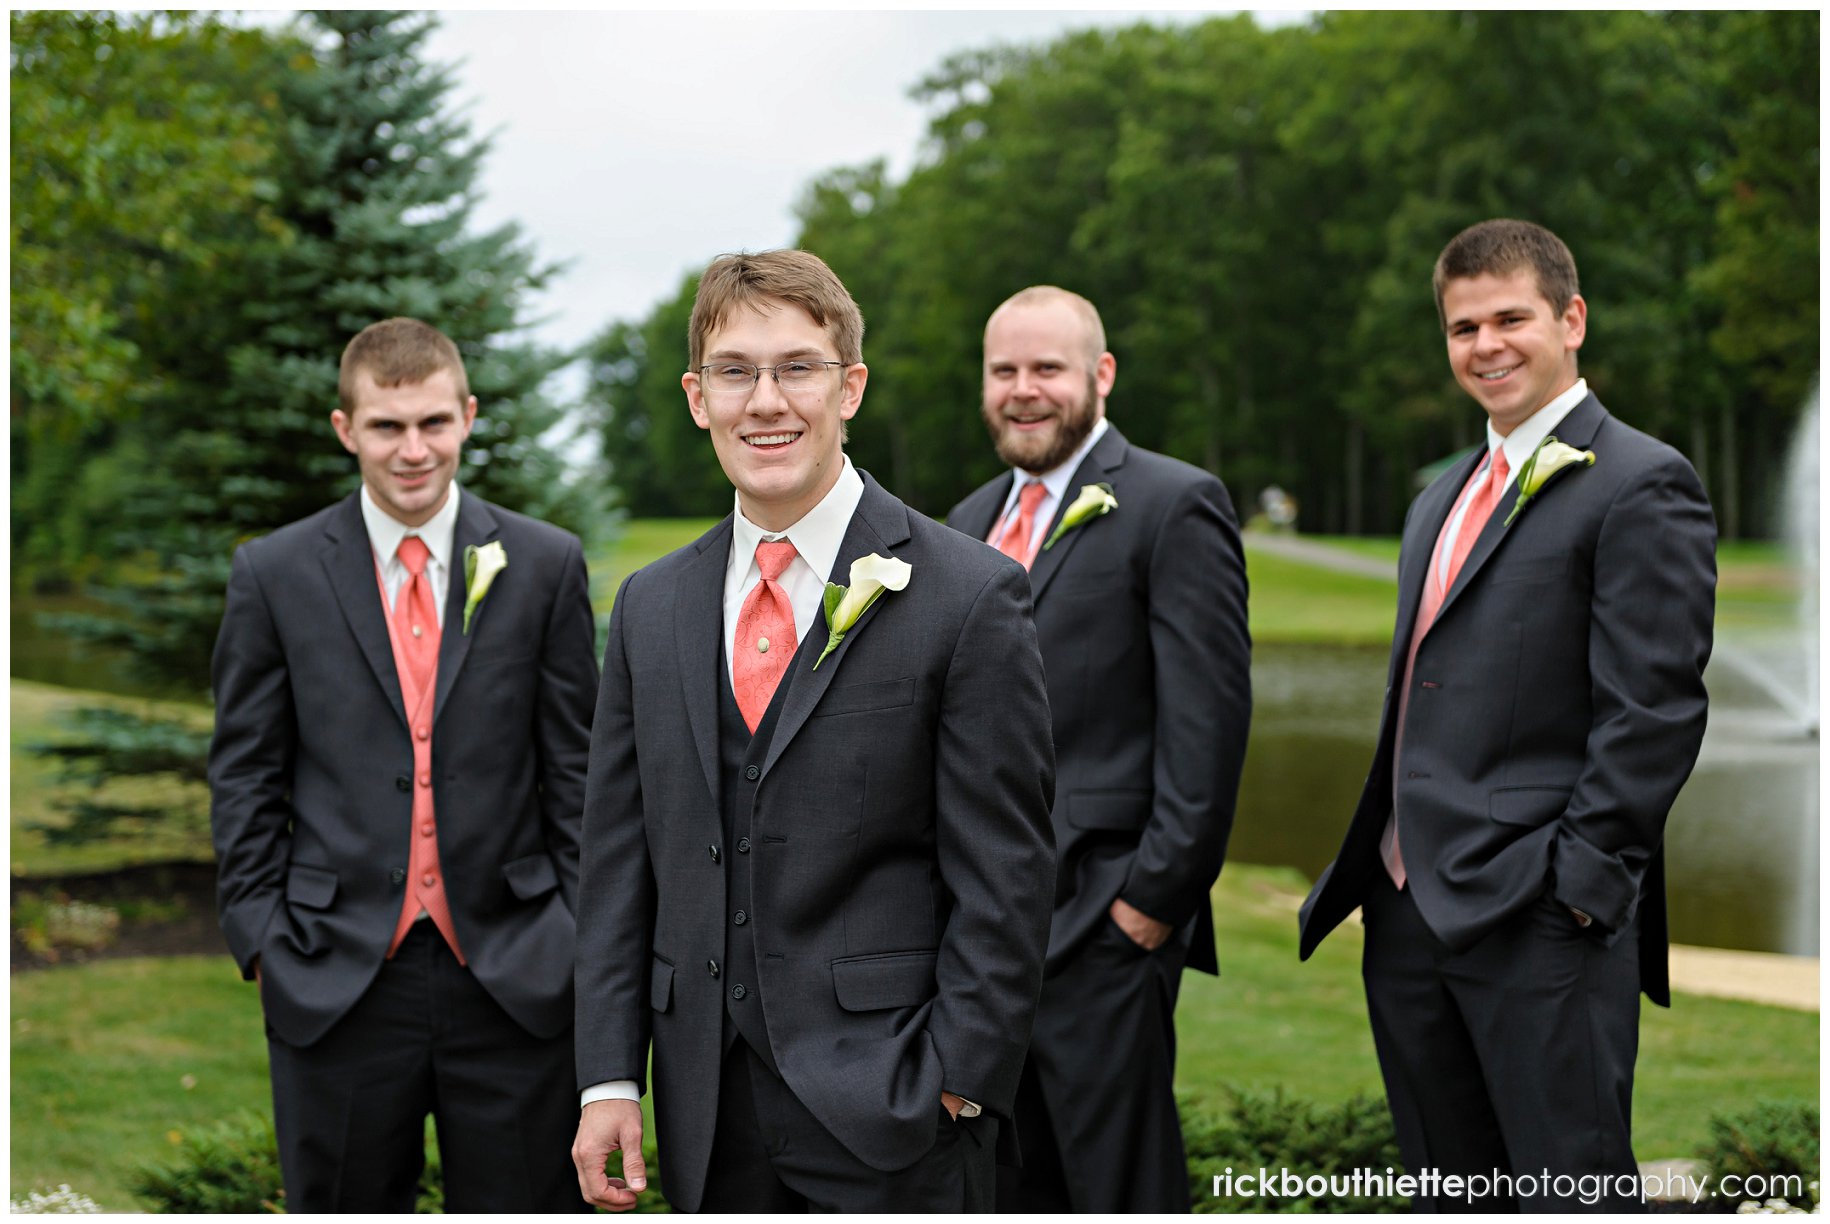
<point>376,182</point>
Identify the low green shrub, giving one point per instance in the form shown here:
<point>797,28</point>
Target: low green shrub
<point>1276,1133</point>
<point>1762,1149</point>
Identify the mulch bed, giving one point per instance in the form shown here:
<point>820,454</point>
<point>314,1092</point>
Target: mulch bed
<point>192,933</point>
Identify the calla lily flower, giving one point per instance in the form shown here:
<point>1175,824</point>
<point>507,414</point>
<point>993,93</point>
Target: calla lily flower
<point>1550,458</point>
<point>481,565</point>
<point>870,577</point>
<point>1094,500</point>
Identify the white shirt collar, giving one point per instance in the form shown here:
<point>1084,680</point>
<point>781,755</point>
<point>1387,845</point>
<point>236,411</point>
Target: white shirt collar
<point>1527,434</point>
<point>1056,479</point>
<point>816,536</point>
<point>386,531</point>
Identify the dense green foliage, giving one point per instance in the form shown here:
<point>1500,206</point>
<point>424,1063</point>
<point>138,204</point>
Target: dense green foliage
<point>1256,213</point>
<point>1772,1140</point>
<point>1274,1132</point>
<point>365,183</point>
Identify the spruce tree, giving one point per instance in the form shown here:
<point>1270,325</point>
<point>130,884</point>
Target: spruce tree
<point>376,183</point>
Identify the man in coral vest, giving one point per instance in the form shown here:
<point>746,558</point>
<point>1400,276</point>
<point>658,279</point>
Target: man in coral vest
<point>404,685</point>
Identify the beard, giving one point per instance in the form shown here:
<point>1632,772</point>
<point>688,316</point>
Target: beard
<point>1044,453</point>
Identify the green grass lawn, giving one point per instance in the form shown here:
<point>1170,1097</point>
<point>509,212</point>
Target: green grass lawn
<point>1292,602</point>
<point>111,1060</point>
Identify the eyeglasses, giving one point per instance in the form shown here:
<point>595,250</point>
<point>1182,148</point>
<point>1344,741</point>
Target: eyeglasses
<point>740,377</point>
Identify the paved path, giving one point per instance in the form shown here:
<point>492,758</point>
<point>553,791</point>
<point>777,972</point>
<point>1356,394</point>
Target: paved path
<point>1309,552</point>
<point>1757,977</point>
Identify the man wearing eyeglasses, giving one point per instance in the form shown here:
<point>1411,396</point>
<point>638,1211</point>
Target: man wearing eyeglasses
<point>817,864</point>
<point>1140,592</point>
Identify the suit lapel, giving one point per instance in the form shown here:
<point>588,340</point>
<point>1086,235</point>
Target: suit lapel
<point>1578,430</point>
<point>349,563</point>
<point>879,525</point>
<point>1419,547</point>
<point>978,512</point>
<point>699,640</point>
<point>1101,463</point>
<point>476,526</point>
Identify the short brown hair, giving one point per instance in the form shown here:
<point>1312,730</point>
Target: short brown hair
<point>1044,295</point>
<point>1502,247</point>
<point>398,352</point>
<point>799,278</point>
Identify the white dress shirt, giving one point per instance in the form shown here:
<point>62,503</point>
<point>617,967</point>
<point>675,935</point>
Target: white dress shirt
<point>385,534</point>
<point>816,539</point>
<point>1055,481</point>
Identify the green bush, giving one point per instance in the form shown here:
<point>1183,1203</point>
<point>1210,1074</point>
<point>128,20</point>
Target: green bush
<point>1773,1140</point>
<point>1276,1133</point>
<point>232,1167</point>
<point>235,1167</point>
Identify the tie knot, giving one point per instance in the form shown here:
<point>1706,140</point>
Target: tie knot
<point>1031,496</point>
<point>1500,469</point>
<point>772,557</point>
<point>413,554</point>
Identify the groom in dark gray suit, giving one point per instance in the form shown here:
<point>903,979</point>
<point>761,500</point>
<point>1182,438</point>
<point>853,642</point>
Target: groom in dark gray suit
<point>1546,702</point>
<point>817,866</point>
<point>396,782</point>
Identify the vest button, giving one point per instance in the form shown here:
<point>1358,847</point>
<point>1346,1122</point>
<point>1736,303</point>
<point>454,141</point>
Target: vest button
<point>738,992</point>
<point>403,783</point>
<point>711,967</point>
<point>740,917</point>
<point>713,851</point>
<point>399,874</point>
<point>752,773</point>
<point>743,845</point>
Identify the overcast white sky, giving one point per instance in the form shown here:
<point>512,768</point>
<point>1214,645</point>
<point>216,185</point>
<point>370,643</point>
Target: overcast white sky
<point>637,146</point>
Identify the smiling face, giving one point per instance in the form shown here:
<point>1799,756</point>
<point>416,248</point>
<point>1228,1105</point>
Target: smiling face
<point>1509,347</point>
<point>1044,389</point>
<point>406,440</point>
<point>783,452</point>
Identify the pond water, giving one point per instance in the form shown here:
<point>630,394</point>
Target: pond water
<point>1741,842</point>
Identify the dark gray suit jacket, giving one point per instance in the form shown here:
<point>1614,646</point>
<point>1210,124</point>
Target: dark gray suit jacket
<point>311,764</point>
<point>1557,702</point>
<point>1141,615</point>
<point>901,865</point>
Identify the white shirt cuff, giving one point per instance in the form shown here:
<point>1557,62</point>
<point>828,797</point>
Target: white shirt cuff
<point>609,1090</point>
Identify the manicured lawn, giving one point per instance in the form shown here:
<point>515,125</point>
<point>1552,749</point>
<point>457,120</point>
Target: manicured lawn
<point>638,542</point>
<point>101,1053</point>
<point>1293,602</point>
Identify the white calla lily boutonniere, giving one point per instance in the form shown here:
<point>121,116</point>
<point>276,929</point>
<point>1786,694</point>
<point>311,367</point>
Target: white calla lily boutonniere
<point>1550,458</point>
<point>481,565</point>
<point>1094,500</point>
<point>870,577</point>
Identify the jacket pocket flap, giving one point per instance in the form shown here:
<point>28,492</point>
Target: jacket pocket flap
<point>893,979</point>
<point>1125,811</point>
<point>858,698</point>
<point>529,877</point>
<point>660,985</point>
<point>1529,806</point>
<point>310,887</point>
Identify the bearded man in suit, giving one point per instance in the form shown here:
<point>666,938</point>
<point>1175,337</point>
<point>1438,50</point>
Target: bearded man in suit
<point>403,692</point>
<point>817,861</point>
<point>1546,703</point>
<point>1139,583</point>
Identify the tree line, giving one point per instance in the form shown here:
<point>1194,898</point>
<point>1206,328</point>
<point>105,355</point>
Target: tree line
<point>202,214</point>
<point>1256,213</point>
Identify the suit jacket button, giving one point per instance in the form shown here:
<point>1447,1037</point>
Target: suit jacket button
<point>713,851</point>
<point>403,783</point>
<point>740,917</point>
<point>738,992</point>
<point>399,874</point>
<point>752,773</point>
<point>711,967</point>
<point>743,845</point>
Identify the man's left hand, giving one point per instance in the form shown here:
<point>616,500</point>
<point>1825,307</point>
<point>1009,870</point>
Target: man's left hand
<point>953,1102</point>
<point>1145,931</point>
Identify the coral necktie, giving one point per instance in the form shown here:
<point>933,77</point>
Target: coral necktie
<point>1015,542</point>
<point>1445,563</point>
<point>415,614</point>
<point>765,640</point>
